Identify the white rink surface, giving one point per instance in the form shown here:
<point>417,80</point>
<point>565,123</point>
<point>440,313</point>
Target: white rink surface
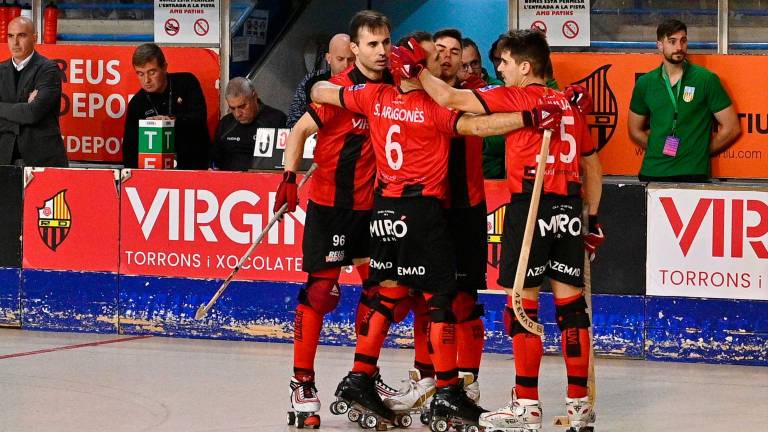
<point>174,385</point>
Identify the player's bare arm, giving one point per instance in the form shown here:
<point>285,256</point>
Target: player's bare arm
<point>593,182</point>
<point>449,97</point>
<point>294,144</point>
<point>727,131</point>
<point>489,125</point>
<point>638,129</point>
<point>324,92</point>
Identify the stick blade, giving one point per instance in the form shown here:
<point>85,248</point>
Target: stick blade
<point>201,312</point>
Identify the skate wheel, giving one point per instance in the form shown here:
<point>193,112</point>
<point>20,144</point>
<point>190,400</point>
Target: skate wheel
<point>403,421</point>
<point>332,408</point>
<point>342,407</point>
<point>471,428</point>
<point>291,418</point>
<point>312,422</point>
<point>354,415</point>
<point>424,418</point>
<point>438,425</point>
<point>300,422</point>
<point>369,421</point>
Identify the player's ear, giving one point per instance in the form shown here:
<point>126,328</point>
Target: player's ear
<point>355,49</point>
<point>525,67</point>
<point>660,45</point>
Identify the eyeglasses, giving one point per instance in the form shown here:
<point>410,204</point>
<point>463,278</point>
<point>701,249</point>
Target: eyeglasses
<point>474,64</point>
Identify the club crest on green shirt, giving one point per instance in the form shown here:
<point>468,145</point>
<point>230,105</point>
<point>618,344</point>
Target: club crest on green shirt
<point>688,93</point>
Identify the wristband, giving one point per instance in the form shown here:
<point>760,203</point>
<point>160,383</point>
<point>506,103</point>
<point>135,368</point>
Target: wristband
<point>527,118</point>
<point>289,177</point>
<point>592,223</point>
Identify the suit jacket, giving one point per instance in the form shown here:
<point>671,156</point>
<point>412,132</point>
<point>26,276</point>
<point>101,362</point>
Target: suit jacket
<point>34,126</point>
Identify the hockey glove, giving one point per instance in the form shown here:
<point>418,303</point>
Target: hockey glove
<point>473,82</point>
<point>578,96</point>
<point>408,60</point>
<point>593,238</point>
<point>287,193</point>
<point>545,116</point>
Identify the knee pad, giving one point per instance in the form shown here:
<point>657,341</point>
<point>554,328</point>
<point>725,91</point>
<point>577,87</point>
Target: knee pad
<point>389,303</point>
<point>320,294</point>
<point>402,309</point>
<point>573,315</point>
<point>441,308</point>
<point>512,325</point>
<point>465,307</point>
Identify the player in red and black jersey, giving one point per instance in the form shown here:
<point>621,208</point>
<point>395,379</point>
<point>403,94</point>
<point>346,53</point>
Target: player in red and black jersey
<point>557,250</point>
<point>411,246</point>
<point>339,207</point>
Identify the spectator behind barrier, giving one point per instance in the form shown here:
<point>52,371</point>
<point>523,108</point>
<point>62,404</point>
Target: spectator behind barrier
<point>30,95</point>
<point>236,134</point>
<point>679,99</point>
<point>167,96</point>
<point>339,57</point>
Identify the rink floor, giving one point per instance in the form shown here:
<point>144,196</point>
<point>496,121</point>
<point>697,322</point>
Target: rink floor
<point>106,383</point>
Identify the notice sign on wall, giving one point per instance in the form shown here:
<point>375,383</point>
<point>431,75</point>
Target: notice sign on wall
<point>566,22</point>
<point>187,21</point>
<point>709,243</point>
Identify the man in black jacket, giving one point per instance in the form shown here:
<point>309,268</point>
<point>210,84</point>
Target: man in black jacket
<point>233,146</point>
<point>167,96</point>
<point>30,97</point>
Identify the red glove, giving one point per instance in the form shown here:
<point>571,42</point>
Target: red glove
<point>473,82</point>
<point>545,116</point>
<point>593,238</point>
<point>578,96</point>
<point>287,193</point>
<point>408,60</point>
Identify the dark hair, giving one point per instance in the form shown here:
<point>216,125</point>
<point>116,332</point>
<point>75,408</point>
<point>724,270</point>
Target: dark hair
<point>669,27</point>
<point>449,32</point>
<point>369,19</point>
<point>467,42</point>
<point>420,36</point>
<point>528,45</point>
<point>494,45</point>
<point>147,52</point>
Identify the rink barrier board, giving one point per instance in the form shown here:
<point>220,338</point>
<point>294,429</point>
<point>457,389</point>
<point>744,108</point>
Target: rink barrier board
<point>10,297</point>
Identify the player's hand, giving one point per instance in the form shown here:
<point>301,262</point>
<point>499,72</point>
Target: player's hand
<point>407,61</point>
<point>578,96</point>
<point>473,82</point>
<point>593,238</point>
<point>32,96</point>
<point>287,193</point>
<point>546,115</point>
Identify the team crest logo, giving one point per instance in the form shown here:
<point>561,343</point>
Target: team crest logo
<point>688,93</point>
<point>605,109</point>
<point>486,88</point>
<point>357,87</point>
<point>54,220</point>
<point>495,224</point>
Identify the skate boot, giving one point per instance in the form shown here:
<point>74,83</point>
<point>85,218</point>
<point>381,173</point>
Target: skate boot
<point>471,386</point>
<point>382,388</point>
<point>451,407</point>
<point>414,397</point>
<point>519,415</point>
<point>356,396</point>
<point>580,414</point>
<point>305,404</point>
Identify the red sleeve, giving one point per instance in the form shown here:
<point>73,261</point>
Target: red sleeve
<point>587,143</point>
<point>322,113</point>
<point>358,98</point>
<point>503,99</point>
<point>444,119</point>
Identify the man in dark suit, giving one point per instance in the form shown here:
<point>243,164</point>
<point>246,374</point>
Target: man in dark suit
<point>30,98</point>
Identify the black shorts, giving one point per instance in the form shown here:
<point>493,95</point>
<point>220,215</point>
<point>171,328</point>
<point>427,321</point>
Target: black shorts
<point>334,236</point>
<point>468,228</point>
<point>410,244</point>
<point>557,248</point>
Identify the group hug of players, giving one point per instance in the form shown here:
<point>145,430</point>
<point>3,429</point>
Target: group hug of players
<point>398,193</point>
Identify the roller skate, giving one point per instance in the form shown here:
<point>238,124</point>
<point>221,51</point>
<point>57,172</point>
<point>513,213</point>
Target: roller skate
<point>451,407</point>
<point>471,386</point>
<point>382,388</point>
<point>414,397</point>
<point>519,415</point>
<point>356,396</point>
<point>581,415</point>
<point>305,404</point>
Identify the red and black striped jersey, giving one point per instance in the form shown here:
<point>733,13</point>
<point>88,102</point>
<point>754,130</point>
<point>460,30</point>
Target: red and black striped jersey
<point>562,176</point>
<point>345,162</point>
<point>411,136</point>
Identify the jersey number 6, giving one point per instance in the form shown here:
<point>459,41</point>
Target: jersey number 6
<point>393,150</point>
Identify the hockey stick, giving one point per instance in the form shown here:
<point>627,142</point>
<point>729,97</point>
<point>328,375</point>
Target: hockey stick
<point>530,224</point>
<point>202,310</point>
<point>591,387</point>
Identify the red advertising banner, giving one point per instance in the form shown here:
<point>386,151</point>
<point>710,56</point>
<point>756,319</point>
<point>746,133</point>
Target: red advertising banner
<point>610,79</point>
<point>174,224</point>
<point>70,219</point>
<point>98,82</point>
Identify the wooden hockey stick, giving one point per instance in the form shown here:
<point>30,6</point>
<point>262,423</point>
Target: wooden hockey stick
<point>591,387</point>
<point>203,310</point>
<point>530,224</point>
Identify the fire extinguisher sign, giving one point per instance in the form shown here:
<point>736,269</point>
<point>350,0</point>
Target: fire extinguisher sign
<point>187,21</point>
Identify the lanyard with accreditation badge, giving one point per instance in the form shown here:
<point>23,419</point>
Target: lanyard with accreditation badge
<point>672,142</point>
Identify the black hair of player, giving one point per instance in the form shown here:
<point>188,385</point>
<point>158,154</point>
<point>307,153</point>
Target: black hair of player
<point>370,19</point>
<point>527,45</point>
<point>668,27</point>
<point>449,32</point>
